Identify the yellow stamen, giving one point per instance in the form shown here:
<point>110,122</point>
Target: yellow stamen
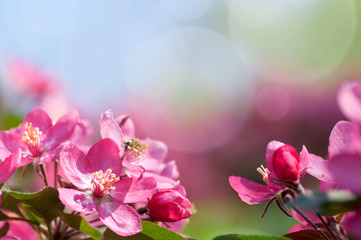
<point>32,135</point>
<point>102,182</point>
<point>264,172</point>
<point>136,148</point>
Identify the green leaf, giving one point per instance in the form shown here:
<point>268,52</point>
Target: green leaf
<point>248,237</point>
<point>150,231</point>
<point>79,223</point>
<point>327,204</point>
<point>44,202</point>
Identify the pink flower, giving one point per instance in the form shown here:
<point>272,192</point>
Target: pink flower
<point>141,156</point>
<point>28,79</point>
<point>10,162</point>
<point>38,137</point>
<point>169,206</point>
<point>102,187</point>
<point>254,193</point>
<point>286,163</point>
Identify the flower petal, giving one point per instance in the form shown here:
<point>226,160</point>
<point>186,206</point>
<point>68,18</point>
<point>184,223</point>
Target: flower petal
<point>109,128</point>
<point>251,192</point>
<point>11,139</point>
<point>346,170</point>
<point>130,190</point>
<point>76,166</point>
<point>120,218</point>
<point>76,200</point>
<point>10,165</point>
<point>271,148</point>
<point>349,100</point>
<point>318,167</point>
<point>39,118</point>
<point>340,139</point>
<point>104,155</point>
<point>62,130</point>
<point>126,125</point>
<point>157,150</point>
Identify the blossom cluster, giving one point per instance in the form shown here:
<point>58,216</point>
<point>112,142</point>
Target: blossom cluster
<point>115,183</point>
<point>341,172</point>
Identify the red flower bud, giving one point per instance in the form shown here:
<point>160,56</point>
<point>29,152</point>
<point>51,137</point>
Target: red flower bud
<point>286,163</point>
<point>169,206</point>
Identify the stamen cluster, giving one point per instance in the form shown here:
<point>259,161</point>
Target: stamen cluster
<point>103,181</point>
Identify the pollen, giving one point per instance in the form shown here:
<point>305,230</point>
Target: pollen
<point>103,182</point>
<point>31,136</point>
<point>136,148</point>
<point>264,172</point>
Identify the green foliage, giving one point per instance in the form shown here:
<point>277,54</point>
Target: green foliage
<point>44,203</point>
<point>248,237</point>
<point>79,223</point>
<point>329,203</point>
<point>150,231</point>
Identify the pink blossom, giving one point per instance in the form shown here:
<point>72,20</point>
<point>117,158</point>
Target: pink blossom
<point>38,137</point>
<point>254,193</point>
<point>102,187</point>
<point>28,79</point>
<point>286,163</point>
<point>142,156</point>
<point>169,206</point>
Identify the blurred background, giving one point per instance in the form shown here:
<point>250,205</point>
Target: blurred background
<point>215,80</point>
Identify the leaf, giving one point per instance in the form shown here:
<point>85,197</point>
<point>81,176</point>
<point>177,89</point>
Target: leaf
<point>44,202</point>
<point>79,223</point>
<point>327,204</point>
<point>9,203</point>
<point>150,231</point>
<point>308,234</point>
<point>248,237</point>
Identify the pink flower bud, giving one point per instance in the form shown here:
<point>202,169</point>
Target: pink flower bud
<point>286,163</point>
<point>169,206</point>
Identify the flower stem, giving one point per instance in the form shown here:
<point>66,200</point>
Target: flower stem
<point>326,225</point>
<point>44,175</point>
<point>311,223</point>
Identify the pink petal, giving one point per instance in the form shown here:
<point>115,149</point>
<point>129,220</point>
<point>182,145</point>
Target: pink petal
<point>81,132</point>
<point>157,150</point>
<point>10,165</point>
<point>318,167</point>
<point>76,200</point>
<point>130,190</point>
<point>62,130</point>
<point>11,139</point>
<point>120,218</point>
<point>346,170</point>
<point>104,155</point>
<point>340,139</point>
<point>251,192</point>
<point>126,125</point>
<point>39,118</point>
<point>351,222</point>
<point>297,228</point>
<point>133,170</point>
<point>163,182</point>
<point>349,100</point>
<point>4,153</point>
<point>304,161</point>
<point>271,148</point>
<point>170,170</point>
<point>109,128</point>
<point>76,166</point>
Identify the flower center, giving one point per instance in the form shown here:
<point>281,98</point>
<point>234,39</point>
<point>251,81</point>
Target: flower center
<point>135,147</point>
<point>32,138</point>
<point>102,182</point>
<point>264,172</point>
